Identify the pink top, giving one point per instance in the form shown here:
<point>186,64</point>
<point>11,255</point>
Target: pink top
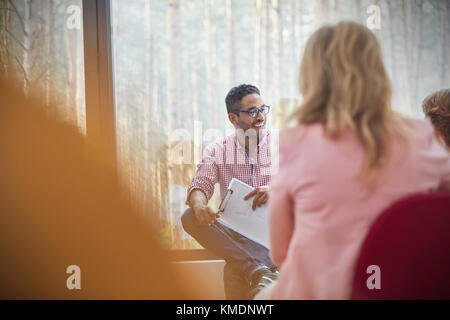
<point>320,215</point>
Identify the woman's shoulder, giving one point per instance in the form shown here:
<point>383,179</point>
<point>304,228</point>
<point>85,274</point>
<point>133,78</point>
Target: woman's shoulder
<point>418,130</point>
<point>417,123</point>
<point>297,140</point>
<point>300,133</point>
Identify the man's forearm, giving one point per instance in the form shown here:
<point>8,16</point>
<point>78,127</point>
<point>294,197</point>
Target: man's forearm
<point>197,198</point>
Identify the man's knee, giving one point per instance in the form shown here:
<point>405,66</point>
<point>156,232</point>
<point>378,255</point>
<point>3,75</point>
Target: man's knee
<point>188,220</point>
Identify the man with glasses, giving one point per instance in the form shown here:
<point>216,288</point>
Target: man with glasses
<point>244,155</point>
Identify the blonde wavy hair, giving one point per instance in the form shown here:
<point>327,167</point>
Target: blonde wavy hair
<point>345,86</point>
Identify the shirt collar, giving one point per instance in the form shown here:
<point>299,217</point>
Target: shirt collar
<point>265,136</point>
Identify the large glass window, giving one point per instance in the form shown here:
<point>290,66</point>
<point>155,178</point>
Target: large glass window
<point>175,60</point>
<point>41,48</point>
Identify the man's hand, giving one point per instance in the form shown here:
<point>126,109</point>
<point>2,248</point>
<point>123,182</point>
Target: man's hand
<point>205,215</point>
<point>199,204</point>
<point>261,196</point>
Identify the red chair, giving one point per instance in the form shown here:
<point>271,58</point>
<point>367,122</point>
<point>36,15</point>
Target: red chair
<point>410,242</point>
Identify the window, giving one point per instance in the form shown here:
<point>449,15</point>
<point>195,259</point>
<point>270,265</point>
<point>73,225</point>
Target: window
<point>41,48</point>
<point>175,60</point>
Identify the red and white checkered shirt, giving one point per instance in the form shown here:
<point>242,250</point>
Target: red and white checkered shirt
<point>227,159</point>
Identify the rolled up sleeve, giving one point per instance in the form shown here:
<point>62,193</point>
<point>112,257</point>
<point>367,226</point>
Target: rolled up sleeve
<point>207,174</point>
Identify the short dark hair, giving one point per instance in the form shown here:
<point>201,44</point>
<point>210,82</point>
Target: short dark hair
<point>235,95</point>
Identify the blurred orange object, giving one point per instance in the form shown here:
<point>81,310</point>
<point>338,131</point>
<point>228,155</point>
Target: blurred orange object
<point>61,205</point>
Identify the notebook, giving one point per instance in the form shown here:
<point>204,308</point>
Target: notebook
<point>237,214</point>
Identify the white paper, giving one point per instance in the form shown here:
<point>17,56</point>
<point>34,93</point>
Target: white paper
<point>239,216</point>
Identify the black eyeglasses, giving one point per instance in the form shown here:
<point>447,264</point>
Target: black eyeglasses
<point>253,112</point>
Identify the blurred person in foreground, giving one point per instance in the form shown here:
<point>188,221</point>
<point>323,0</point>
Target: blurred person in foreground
<point>349,157</point>
<point>61,205</point>
<point>437,108</point>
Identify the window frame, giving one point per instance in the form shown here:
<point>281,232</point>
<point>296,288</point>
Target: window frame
<point>99,87</point>
<point>98,70</point>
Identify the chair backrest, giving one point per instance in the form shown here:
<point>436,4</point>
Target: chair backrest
<point>410,243</point>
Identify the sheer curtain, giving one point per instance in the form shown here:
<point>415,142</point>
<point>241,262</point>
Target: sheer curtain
<point>175,60</point>
<point>41,48</point>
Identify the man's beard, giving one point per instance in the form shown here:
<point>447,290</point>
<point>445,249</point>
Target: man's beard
<point>250,131</point>
<point>254,130</point>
